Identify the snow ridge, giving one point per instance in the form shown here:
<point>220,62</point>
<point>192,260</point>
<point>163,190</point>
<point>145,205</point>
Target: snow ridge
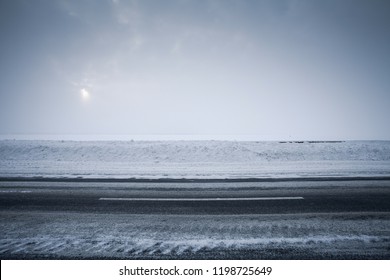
<point>192,159</point>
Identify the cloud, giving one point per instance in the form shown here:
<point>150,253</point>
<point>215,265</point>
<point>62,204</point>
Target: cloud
<point>242,61</point>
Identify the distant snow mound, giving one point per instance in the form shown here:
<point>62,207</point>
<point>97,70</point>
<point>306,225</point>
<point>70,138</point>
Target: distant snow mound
<point>193,159</point>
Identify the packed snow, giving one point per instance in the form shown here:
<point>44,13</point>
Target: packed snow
<point>127,236</point>
<point>193,159</point>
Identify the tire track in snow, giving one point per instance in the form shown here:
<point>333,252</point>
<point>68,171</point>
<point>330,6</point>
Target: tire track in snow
<point>125,247</point>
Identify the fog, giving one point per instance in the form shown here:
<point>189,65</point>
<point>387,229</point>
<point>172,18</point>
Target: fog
<point>264,70</point>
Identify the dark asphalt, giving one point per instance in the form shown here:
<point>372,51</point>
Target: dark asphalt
<point>65,219</point>
<point>319,197</point>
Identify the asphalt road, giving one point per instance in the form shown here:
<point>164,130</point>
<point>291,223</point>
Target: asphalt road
<point>285,219</point>
<point>198,198</point>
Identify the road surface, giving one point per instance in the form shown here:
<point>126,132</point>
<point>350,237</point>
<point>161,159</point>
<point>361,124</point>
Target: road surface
<point>285,219</point>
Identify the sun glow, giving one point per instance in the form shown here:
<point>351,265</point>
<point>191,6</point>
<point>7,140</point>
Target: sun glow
<point>84,94</point>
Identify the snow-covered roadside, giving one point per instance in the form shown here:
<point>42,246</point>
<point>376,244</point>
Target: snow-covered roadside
<point>192,159</point>
<point>124,236</point>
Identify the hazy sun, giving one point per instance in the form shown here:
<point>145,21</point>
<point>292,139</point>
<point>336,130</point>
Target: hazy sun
<point>84,94</point>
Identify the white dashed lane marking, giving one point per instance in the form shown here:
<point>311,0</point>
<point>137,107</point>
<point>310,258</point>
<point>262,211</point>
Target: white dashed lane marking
<point>201,198</point>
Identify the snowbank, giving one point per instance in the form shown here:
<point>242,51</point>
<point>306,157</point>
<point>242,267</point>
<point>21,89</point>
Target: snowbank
<point>192,159</point>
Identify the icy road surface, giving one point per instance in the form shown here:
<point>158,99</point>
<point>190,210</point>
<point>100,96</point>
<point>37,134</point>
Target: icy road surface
<point>69,220</point>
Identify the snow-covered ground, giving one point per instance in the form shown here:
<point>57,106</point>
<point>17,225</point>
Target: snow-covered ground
<point>192,159</point>
<point>127,236</point>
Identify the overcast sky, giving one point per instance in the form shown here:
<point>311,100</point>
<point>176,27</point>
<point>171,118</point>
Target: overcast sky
<point>285,69</point>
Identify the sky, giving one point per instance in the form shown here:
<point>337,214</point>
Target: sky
<point>269,69</point>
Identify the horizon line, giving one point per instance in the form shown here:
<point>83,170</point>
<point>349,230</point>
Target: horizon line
<point>173,137</point>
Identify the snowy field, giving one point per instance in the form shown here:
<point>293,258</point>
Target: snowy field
<point>193,159</point>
